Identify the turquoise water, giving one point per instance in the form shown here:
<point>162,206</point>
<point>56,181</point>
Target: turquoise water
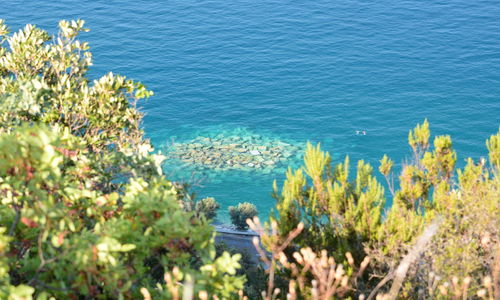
<point>297,70</point>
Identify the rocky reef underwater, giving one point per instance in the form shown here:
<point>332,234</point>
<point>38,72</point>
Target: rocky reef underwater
<point>230,151</point>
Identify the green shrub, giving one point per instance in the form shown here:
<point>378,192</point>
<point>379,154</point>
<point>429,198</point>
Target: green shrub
<point>63,229</point>
<point>241,213</point>
<point>207,207</point>
<point>343,215</point>
<point>254,273</point>
<point>85,211</point>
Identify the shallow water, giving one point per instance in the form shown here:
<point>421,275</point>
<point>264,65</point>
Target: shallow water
<point>297,70</point>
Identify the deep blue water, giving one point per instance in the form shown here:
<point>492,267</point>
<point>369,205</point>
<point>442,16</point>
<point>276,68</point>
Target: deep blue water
<point>301,70</point>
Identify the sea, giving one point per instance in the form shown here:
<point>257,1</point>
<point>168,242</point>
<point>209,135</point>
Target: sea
<point>352,75</point>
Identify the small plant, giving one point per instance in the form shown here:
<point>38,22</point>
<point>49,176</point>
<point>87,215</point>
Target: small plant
<point>207,207</point>
<point>239,214</point>
<point>310,275</point>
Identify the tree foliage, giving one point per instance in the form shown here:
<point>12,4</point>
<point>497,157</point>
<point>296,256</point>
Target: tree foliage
<point>339,215</point>
<point>344,212</point>
<point>44,79</point>
<point>240,213</point>
<point>85,211</point>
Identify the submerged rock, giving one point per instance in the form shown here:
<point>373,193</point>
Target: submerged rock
<point>254,152</point>
<point>248,152</point>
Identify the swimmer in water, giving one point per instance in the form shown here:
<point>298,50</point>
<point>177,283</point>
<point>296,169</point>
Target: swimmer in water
<point>364,132</point>
<point>357,132</point>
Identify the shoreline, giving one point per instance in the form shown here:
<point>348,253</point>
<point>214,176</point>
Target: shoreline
<point>224,229</point>
<point>238,239</point>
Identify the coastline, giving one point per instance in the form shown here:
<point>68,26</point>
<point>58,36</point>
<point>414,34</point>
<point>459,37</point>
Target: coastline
<point>240,240</point>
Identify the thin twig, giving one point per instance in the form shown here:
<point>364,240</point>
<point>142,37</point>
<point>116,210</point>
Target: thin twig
<point>417,249</point>
<point>15,221</point>
<point>388,277</point>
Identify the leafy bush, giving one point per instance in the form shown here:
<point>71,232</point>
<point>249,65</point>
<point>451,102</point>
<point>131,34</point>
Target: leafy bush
<point>85,211</point>
<point>44,79</point>
<point>339,215</point>
<point>342,216</point>
<point>239,214</point>
<point>254,273</point>
<point>207,207</point>
<point>64,230</point>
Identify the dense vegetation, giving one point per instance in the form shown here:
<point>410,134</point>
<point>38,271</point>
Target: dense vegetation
<point>85,209</point>
<point>461,216</point>
<point>86,212</point>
